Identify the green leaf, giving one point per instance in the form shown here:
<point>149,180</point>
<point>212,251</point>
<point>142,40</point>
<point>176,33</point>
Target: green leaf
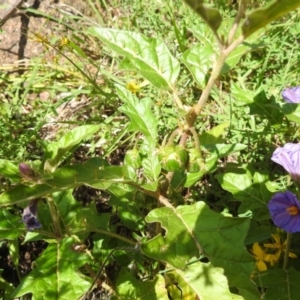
<point>235,56</point>
<point>93,172</point>
<point>263,16</point>
<point>128,204</point>
<point>291,111</point>
<point>139,112</point>
<point>210,15</point>
<point>151,57</point>
<point>224,150</point>
<point>216,151</point>
<point>178,287</point>
<point>198,59</point>
<point>78,219</point>
<point>214,135</point>
<point>128,287</point>
<point>242,95</point>
<point>10,169</point>
<point>55,152</point>
<point>251,191</point>
<point>152,169</point>
<point>6,288</point>
<point>191,229</point>
<point>10,225</point>
<point>209,283</point>
<point>281,284</point>
<point>209,165</point>
<point>56,275</point>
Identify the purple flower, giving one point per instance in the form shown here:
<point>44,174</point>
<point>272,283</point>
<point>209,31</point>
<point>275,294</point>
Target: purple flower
<point>29,217</point>
<point>289,157</point>
<point>285,211</point>
<point>292,94</point>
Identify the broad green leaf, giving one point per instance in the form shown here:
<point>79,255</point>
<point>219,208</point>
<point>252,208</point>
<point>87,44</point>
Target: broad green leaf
<point>68,208</point>
<point>10,170</point>
<point>208,283</point>
<point>209,165</point>
<point>191,229</point>
<point>151,58</point>
<point>266,107</point>
<point>139,112</point>
<point>263,16</point>
<point>91,220</point>
<point>214,135</point>
<point>224,150</point>
<point>291,111</point>
<point>128,204</point>
<point>78,219</point>
<point>56,275</point>
<point>178,287</point>
<point>11,226</point>
<point>92,172</point>
<point>56,152</point>
<point>152,167</point>
<point>198,59</point>
<point>210,15</point>
<point>129,287</point>
<point>251,191</point>
<point>281,284</point>
<point>241,95</point>
<point>234,57</point>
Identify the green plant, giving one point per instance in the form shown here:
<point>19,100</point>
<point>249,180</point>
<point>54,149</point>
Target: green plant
<point>192,193</point>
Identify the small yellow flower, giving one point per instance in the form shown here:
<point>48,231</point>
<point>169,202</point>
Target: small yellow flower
<point>260,256</point>
<point>278,245</point>
<point>272,259</point>
<point>63,42</point>
<point>132,87</point>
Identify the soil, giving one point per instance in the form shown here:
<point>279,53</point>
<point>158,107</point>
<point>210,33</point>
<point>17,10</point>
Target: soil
<point>19,38</point>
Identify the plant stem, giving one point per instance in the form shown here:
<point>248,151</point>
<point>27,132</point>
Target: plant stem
<point>117,236</point>
<point>55,218</point>
<point>172,137</point>
<point>287,250</point>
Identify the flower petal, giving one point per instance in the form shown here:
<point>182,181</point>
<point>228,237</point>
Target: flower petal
<point>278,207</point>
<point>258,251</point>
<point>261,266</point>
<point>29,217</point>
<point>292,94</point>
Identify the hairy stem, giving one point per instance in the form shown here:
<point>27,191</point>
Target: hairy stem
<point>287,250</point>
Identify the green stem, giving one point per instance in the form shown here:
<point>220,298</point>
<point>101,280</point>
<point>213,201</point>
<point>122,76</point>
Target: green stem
<point>117,236</point>
<point>287,250</point>
<point>55,218</point>
<point>196,140</point>
<point>214,75</point>
<point>172,137</point>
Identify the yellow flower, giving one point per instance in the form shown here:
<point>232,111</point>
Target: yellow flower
<point>64,41</point>
<point>132,87</point>
<point>260,256</point>
<point>279,246</point>
<point>272,259</point>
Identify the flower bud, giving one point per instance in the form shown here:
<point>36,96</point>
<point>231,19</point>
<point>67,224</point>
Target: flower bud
<point>26,171</point>
<point>173,158</point>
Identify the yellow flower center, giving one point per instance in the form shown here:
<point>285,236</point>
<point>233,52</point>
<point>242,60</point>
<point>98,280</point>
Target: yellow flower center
<point>293,210</point>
